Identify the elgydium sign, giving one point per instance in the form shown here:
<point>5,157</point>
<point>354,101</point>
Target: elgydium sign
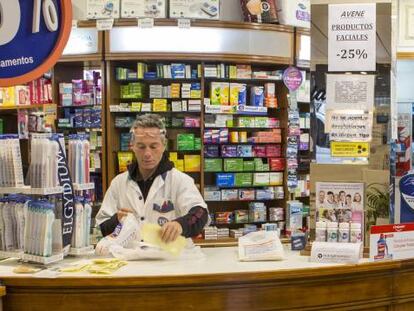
<point>33,34</point>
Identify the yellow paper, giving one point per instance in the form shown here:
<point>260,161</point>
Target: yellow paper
<point>349,149</point>
<point>151,233</point>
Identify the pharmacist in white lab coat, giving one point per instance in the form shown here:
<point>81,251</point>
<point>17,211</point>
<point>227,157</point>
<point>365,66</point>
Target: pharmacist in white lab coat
<point>152,189</point>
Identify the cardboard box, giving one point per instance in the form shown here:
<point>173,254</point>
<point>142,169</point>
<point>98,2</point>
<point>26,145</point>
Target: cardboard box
<point>213,165</point>
<point>276,179</point>
<point>219,93</point>
<point>199,9</point>
<point>248,166</point>
<point>185,141</point>
<point>294,12</point>
<point>143,8</point>
<point>212,194</point>
<point>224,180</point>
<point>229,194</point>
<point>261,179</point>
<point>247,194</point>
<point>97,9</point>
<point>233,165</point>
<point>243,179</point>
<point>192,163</point>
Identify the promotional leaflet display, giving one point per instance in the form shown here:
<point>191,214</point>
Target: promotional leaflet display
<point>102,9</point>
<point>143,8</point>
<point>352,37</point>
<point>392,242</point>
<point>200,9</point>
<point>341,206</point>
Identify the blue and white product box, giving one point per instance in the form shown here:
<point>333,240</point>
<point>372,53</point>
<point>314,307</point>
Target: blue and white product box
<point>404,199</point>
<point>199,9</point>
<point>244,151</point>
<point>229,195</point>
<point>294,219</point>
<point>100,9</point>
<point>257,212</point>
<point>298,241</point>
<point>265,194</point>
<point>143,8</point>
<point>224,180</point>
<point>212,194</point>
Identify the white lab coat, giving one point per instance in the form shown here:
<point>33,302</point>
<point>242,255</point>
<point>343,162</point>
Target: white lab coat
<point>171,187</point>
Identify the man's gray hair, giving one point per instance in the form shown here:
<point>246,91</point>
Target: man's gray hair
<point>149,121</point>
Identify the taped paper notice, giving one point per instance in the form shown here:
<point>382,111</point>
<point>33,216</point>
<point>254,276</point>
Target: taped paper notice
<point>349,126</point>
<point>350,92</point>
<point>350,150</point>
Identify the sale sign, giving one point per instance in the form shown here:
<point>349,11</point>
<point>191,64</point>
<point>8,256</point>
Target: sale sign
<point>352,37</point>
<point>33,34</point>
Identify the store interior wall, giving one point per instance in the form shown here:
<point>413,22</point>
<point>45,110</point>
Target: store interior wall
<point>230,10</point>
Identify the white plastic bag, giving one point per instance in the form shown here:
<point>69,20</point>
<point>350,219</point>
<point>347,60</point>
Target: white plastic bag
<point>261,245</point>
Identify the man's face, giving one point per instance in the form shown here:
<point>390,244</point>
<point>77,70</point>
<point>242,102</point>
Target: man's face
<point>330,197</point>
<point>148,147</point>
<point>321,196</point>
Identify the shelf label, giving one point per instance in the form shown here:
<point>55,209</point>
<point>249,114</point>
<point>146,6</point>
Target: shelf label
<point>104,24</point>
<point>33,35</point>
<point>184,23</point>
<point>350,149</point>
<point>147,22</point>
<point>352,37</point>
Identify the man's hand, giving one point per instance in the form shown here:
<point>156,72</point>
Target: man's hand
<point>123,212</point>
<point>171,231</point>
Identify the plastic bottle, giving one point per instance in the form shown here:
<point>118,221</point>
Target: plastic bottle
<point>356,234</point>
<point>332,232</point>
<point>320,231</point>
<point>343,236</point>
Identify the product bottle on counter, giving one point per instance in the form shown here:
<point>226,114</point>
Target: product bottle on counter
<point>356,235</point>
<point>343,236</point>
<point>332,232</point>
<point>320,231</point>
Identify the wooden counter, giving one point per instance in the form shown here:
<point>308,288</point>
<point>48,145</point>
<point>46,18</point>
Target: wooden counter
<point>366,286</point>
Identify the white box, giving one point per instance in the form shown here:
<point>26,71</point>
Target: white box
<point>97,9</point>
<point>200,9</point>
<point>294,12</point>
<point>143,8</point>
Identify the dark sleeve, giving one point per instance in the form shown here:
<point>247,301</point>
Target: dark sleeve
<point>109,225</point>
<point>193,222</point>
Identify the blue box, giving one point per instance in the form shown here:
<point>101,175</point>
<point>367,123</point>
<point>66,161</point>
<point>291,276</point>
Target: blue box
<point>224,180</point>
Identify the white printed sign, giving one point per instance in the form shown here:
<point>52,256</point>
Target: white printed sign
<point>336,252</point>
<point>392,242</point>
<point>350,92</point>
<point>147,22</point>
<point>104,24</point>
<point>349,126</point>
<point>352,37</point>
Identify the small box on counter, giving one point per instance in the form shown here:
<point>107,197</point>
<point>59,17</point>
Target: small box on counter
<point>257,212</point>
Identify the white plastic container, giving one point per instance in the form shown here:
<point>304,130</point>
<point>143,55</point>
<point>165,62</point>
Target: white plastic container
<point>332,232</point>
<point>343,236</point>
<point>294,12</point>
<point>356,232</point>
<point>320,231</point>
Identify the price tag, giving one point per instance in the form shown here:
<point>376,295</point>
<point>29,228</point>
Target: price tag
<point>104,24</point>
<point>352,37</point>
<point>147,22</point>
<point>184,23</point>
<point>74,23</point>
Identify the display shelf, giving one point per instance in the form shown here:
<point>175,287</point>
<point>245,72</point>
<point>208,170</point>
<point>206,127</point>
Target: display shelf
<point>11,254</point>
<point>11,190</point>
<point>81,187</point>
<point>45,191</point>
<point>242,187</point>
<point>243,128</point>
<point>80,106</point>
<point>37,106</point>
<point>250,81</point>
<point>83,251</point>
<point>159,80</point>
<point>42,260</point>
<point>246,143</point>
<point>253,200</point>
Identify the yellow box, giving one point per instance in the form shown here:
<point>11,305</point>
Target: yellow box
<point>179,165</point>
<point>350,149</point>
<point>195,94</point>
<point>136,107</point>
<point>8,96</point>
<point>160,104</point>
<point>192,163</point>
<point>173,156</point>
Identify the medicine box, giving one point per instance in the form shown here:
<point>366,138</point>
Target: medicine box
<point>229,194</point>
<point>199,9</point>
<point>213,165</point>
<point>219,93</point>
<point>243,179</point>
<point>211,151</point>
<point>98,9</point>
<point>185,141</point>
<point>248,166</point>
<point>233,165</point>
<point>294,12</point>
<point>191,163</point>
<point>224,180</point>
<point>246,194</point>
<point>212,194</point>
<point>261,179</point>
<point>143,8</point>
<point>276,179</point>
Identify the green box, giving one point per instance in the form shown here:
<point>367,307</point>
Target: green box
<point>213,165</point>
<point>258,164</point>
<point>185,141</point>
<point>248,166</point>
<point>246,122</point>
<point>1,126</point>
<point>261,122</point>
<point>230,123</point>
<point>266,167</point>
<point>197,143</point>
<point>233,165</point>
<point>243,179</point>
